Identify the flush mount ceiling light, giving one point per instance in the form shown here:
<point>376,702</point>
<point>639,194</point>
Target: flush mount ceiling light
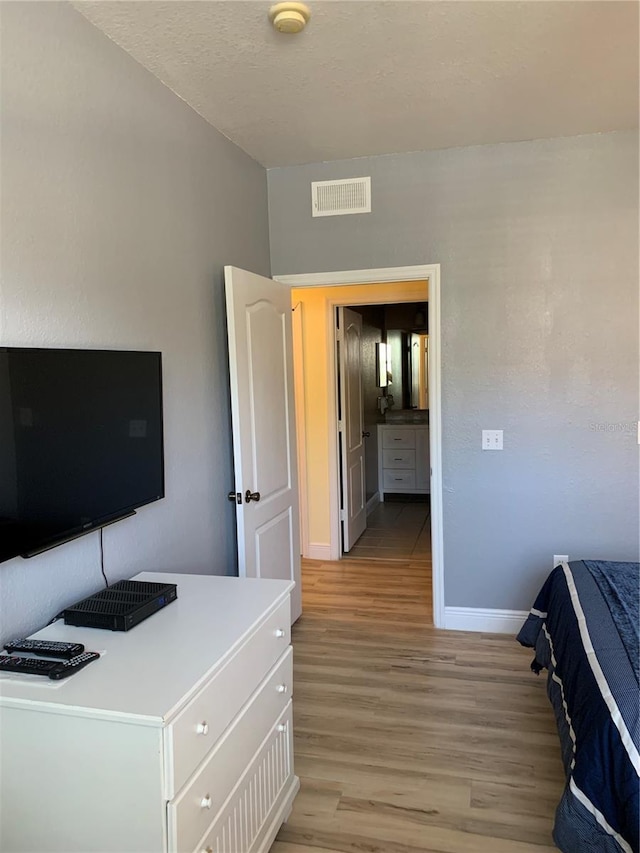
<point>289,17</point>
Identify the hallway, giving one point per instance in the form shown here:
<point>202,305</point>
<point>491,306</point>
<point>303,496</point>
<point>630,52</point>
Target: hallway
<point>396,530</point>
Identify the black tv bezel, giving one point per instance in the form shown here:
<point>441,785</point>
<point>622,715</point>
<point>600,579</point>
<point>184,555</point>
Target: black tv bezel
<point>125,512</point>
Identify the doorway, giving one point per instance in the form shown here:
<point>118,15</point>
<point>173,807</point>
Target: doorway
<point>322,293</point>
<point>381,399</point>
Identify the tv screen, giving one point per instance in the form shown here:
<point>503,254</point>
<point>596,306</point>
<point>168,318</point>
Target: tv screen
<point>80,442</point>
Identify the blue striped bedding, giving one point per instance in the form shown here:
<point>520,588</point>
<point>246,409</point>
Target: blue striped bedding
<point>584,629</point>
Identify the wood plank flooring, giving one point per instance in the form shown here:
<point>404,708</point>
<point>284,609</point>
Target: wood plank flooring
<point>409,739</point>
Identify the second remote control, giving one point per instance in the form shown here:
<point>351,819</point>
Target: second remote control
<point>45,648</point>
<point>68,667</point>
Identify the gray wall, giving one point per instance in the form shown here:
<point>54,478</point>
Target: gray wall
<point>538,244</point>
<point>119,208</point>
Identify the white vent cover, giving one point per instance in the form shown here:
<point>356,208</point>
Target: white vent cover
<point>337,198</point>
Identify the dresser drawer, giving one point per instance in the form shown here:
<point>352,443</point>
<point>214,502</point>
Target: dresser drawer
<point>194,731</point>
<point>268,781</point>
<point>192,812</point>
<point>396,478</point>
<point>398,437</point>
<point>399,458</point>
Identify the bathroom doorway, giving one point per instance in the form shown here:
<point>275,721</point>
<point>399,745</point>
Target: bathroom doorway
<point>382,426</point>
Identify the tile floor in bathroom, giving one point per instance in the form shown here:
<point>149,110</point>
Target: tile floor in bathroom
<point>398,529</point>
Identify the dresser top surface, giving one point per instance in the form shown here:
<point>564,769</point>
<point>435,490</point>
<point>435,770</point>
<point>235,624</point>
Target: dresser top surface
<point>151,670</point>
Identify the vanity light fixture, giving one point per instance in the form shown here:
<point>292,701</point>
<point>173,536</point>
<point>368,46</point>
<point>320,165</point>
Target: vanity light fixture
<point>383,366</point>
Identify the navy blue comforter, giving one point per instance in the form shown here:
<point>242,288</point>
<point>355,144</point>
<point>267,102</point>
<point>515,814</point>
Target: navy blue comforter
<point>584,626</point>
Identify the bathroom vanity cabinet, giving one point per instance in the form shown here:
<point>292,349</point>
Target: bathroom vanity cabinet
<point>403,459</point>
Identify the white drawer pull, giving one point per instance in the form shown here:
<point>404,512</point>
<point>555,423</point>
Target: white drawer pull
<point>282,688</point>
<point>205,802</point>
<point>203,728</point>
<point>280,632</point>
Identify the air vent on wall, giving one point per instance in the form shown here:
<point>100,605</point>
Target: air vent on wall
<point>337,198</point>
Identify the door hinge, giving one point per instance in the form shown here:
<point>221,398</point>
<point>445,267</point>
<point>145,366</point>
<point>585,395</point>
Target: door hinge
<point>340,426</point>
<point>343,516</point>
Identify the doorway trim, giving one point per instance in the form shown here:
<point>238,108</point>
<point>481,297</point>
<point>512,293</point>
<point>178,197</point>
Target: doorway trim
<point>431,272</point>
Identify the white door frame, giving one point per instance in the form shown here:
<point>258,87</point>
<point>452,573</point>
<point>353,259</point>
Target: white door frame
<point>431,272</point>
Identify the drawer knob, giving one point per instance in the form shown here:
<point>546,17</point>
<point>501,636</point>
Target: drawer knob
<point>203,728</point>
<point>280,632</point>
<point>282,688</point>
<point>205,802</point>
<point>282,727</point>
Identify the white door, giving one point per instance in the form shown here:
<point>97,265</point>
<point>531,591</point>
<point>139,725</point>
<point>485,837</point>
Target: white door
<point>351,428</point>
<point>264,437</point>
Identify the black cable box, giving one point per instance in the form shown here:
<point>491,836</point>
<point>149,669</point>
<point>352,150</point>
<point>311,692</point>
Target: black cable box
<point>121,606</point>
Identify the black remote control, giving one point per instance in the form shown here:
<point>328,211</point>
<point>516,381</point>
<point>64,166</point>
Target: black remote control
<point>45,648</point>
<point>68,667</point>
<point>9,663</point>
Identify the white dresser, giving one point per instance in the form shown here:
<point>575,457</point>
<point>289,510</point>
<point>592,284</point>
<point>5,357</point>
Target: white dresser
<point>178,740</point>
<point>403,459</point>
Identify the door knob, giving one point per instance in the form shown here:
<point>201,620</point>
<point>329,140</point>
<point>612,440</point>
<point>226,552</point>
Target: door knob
<point>235,496</point>
<point>251,496</point>
<point>366,435</point>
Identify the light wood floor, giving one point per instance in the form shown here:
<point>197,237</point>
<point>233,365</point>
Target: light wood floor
<point>410,739</point>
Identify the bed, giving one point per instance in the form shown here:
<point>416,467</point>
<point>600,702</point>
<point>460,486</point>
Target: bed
<point>584,629</point>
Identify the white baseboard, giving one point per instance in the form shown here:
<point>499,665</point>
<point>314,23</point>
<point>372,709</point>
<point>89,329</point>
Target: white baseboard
<point>318,551</point>
<point>373,502</point>
<point>485,621</point>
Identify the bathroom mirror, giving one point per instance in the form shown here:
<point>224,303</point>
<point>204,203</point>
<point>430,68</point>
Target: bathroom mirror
<point>408,354</point>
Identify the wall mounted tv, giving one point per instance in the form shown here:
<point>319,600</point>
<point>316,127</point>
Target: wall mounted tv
<point>81,442</point>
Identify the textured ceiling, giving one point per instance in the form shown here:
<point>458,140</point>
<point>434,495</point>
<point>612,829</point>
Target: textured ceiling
<point>384,77</point>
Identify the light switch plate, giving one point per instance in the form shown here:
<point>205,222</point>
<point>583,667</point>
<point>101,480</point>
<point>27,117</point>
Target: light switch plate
<point>492,439</point>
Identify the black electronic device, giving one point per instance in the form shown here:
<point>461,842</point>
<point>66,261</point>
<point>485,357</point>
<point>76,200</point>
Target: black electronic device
<point>33,666</point>
<point>54,669</point>
<point>45,648</point>
<point>121,606</point>
<point>81,442</point>
<point>68,667</point>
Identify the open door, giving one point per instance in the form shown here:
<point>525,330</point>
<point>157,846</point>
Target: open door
<point>264,436</point>
<point>350,428</point>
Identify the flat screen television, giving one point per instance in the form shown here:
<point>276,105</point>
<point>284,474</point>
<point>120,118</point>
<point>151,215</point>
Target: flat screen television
<point>81,442</point>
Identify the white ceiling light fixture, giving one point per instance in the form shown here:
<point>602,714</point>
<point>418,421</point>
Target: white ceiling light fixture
<point>289,17</point>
